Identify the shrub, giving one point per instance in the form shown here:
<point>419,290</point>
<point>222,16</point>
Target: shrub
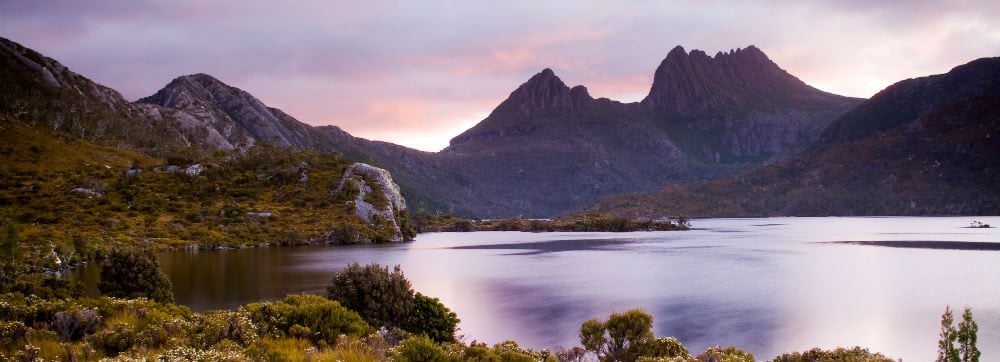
<point>728,354</point>
<point>380,297</point>
<point>623,337</point>
<point>840,354</point>
<point>668,347</point>
<point>419,349</point>
<point>73,325</point>
<point>431,318</point>
<point>306,316</point>
<point>133,273</point>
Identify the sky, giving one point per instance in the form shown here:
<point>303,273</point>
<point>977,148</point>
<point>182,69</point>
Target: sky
<point>418,73</point>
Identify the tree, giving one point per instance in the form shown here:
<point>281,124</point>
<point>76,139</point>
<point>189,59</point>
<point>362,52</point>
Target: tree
<point>431,318</point>
<point>380,297</point>
<point>967,331</point>
<point>134,273</point>
<point>623,337</point>
<point>10,255</point>
<point>946,345</point>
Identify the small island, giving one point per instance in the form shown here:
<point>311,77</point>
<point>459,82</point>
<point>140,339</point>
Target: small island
<point>976,224</point>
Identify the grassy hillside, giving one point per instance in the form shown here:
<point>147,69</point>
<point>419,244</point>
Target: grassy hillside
<point>71,199</point>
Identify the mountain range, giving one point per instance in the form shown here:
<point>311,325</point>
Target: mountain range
<point>923,146</point>
<point>546,149</point>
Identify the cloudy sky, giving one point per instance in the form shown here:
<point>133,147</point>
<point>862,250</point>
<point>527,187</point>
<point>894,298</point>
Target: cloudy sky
<point>419,72</point>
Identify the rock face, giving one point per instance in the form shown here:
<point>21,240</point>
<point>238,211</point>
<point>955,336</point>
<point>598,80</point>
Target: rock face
<point>376,199</point>
<point>238,117</point>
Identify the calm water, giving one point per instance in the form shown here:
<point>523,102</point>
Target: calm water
<point>767,285</point>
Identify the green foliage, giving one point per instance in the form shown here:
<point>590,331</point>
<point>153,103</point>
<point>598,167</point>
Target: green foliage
<point>431,318</point>
<point>10,255</point>
<point>380,297</point>
<point>254,197</point>
<point>306,316</point>
<point>856,354</point>
<point>419,349</point>
<point>946,345</point>
<point>664,347</point>
<point>623,337</point>
<point>134,273</point>
<point>728,354</point>
<point>967,330</point>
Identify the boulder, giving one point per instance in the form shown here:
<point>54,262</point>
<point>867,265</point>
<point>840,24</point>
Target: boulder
<point>376,200</point>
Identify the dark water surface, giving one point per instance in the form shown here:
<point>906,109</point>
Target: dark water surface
<point>767,285</point>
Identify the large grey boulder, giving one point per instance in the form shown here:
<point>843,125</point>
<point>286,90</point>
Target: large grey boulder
<point>376,199</point>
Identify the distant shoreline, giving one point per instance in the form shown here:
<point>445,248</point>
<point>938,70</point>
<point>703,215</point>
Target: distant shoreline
<point>924,244</point>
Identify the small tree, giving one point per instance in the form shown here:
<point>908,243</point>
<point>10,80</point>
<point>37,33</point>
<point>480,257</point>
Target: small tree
<point>134,273</point>
<point>623,337</point>
<point>946,345</point>
<point>10,256</point>
<point>431,318</point>
<point>967,331</point>
<point>380,297</point>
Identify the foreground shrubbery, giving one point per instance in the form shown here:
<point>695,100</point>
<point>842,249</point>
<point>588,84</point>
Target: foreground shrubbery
<point>372,315</point>
<point>386,299</point>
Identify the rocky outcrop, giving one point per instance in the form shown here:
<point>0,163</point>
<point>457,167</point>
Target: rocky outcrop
<point>376,200</point>
<point>738,80</point>
<point>233,117</point>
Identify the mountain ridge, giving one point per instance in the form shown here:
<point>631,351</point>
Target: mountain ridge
<point>545,149</point>
<point>934,152</point>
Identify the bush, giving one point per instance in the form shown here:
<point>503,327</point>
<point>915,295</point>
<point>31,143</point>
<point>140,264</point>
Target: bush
<point>623,337</point>
<point>132,273</point>
<point>857,354</point>
<point>380,297</point>
<point>728,354</point>
<point>431,318</point>
<point>306,316</point>
<point>419,349</point>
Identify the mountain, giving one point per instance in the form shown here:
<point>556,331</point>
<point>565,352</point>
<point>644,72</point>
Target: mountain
<point>922,146</point>
<point>547,148</point>
<point>235,115</point>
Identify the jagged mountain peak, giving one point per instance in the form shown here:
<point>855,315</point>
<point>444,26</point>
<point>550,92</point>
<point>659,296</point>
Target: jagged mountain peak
<point>543,96</point>
<point>738,80</point>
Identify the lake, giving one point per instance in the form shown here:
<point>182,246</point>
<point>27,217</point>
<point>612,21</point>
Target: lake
<point>767,285</point>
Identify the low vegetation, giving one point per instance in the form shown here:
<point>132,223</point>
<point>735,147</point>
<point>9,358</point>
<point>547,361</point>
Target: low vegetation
<point>372,314</point>
<point>72,201</point>
<point>582,222</point>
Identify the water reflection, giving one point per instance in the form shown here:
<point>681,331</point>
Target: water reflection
<point>767,285</point>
